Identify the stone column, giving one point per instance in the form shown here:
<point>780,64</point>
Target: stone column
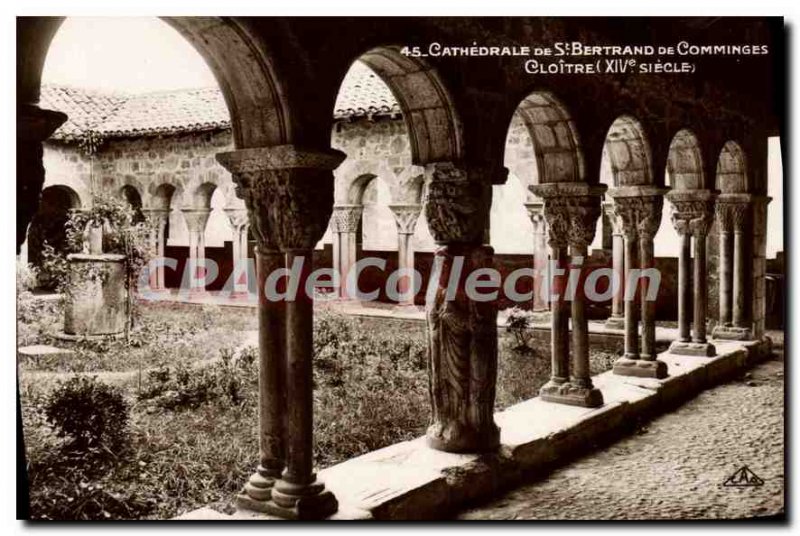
<point>734,210</point>
<point>725,268</point>
<point>157,219</point>
<point>406,217</point>
<point>617,318</point>
<point>238,221</point>
<point>344,224</point>
<point>462,332</point>
<point>649,222</point>
<point>289,197</point>
<point>739,216</point>
<point>540,255</point>
<point>571,211</point>
<point>639,208</point>
<point>196,220</point>
<point>692,216</point>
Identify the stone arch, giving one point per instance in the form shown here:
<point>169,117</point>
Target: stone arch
<point>628,150</point>
<point>163,196</point>
<point>48,224</point>
<point>357,187</point>
<point>202,194</point>
<point>685,162</point>
<point>131,195</point>
<point>556,145</point>
<point>434,128</point>
<point>731,176</point>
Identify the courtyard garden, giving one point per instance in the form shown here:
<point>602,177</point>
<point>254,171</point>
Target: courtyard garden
<point>164,421</point>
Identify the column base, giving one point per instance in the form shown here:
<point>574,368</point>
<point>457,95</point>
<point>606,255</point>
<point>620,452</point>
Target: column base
<point>732,333</point>
<point>640,368</point>
<point>615,322</point>
<point>572,395</point>
<point>257,492</point>
<point>308,502</point>
<point>458,438</point>
<point>701,349</point>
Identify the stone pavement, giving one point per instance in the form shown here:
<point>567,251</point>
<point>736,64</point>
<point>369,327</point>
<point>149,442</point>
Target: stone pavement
<point>673,468</point>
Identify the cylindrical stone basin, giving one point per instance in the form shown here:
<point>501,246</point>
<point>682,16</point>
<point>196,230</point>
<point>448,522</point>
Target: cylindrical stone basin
<point>97,302</point>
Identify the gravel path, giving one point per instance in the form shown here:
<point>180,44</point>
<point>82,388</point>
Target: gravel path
<point>675,467</point>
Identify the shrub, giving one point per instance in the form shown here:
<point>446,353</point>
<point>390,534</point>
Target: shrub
<point>89,412</point>
<point>518,325</point>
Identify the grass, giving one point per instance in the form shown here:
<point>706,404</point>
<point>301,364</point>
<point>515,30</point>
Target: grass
<point>371,390</point>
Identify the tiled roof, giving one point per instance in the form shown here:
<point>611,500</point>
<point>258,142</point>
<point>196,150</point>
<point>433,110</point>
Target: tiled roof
<point>363,94</point>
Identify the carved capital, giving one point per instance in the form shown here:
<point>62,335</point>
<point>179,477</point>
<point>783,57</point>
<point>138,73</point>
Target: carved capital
<point>196,218</point>
<point>406,217</point>
<point>288,193</point>
<point>693,211</point>
<point>650,216</point>
<point>571,210</point>
<point>345,218</point>
<point>237,217</point>
<point>535,212</point>
<point>155,218</point>
<point>456,204</point>
<point>614,219</point>
<point>639,208</point>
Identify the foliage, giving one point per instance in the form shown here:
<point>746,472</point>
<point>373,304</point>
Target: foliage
<point>89,412</point>
<point>518,324</point>
<point>192,432</point>
<point>121,235</point>
<point>182,388</point>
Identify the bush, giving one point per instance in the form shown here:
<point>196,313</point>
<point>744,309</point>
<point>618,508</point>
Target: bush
<point>518,325</point>
<point>181,387</point>
<point>89,412</point>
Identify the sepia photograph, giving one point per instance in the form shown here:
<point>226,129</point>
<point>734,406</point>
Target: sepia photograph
<point>381,268</point>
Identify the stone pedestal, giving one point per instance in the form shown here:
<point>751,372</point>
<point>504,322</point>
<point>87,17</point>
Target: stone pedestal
<point>571,211</point>
<point>97,303</point>
<point>288,193</point>
<point>639,211</point>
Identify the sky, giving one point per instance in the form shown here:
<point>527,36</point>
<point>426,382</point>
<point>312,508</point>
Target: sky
<point>134,54</point>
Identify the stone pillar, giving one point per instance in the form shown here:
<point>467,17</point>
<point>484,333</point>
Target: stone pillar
<point>734,212</point>
<point>289,197</point>
<point>649,222</point>
<point>540,255</point>
<point>617,318</point>
<point>196,220</point>
<point>639,208</point>
<point>34,125</point>
<point>462,332</point>
<point>692,215</point>
<point>157,219</point>
<point>344,224</point>
<point>239,223</point>
<point>406,219</point>
<point>571,211</point>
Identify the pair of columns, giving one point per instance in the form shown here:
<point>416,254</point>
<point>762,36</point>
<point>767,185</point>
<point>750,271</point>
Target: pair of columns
<point>571,211</point>
<point>157,219</point>
<point>344,224</point>
<point>637,210</point>
<point>289,197</point>
<point>617,318</point>
<point>733,212</point>
<point>196,220</point>
<point>241,261</point>
<point>540,254</point>
<point>692,218</point>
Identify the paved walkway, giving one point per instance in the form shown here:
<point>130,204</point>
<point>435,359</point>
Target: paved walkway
<point>675,467</point>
